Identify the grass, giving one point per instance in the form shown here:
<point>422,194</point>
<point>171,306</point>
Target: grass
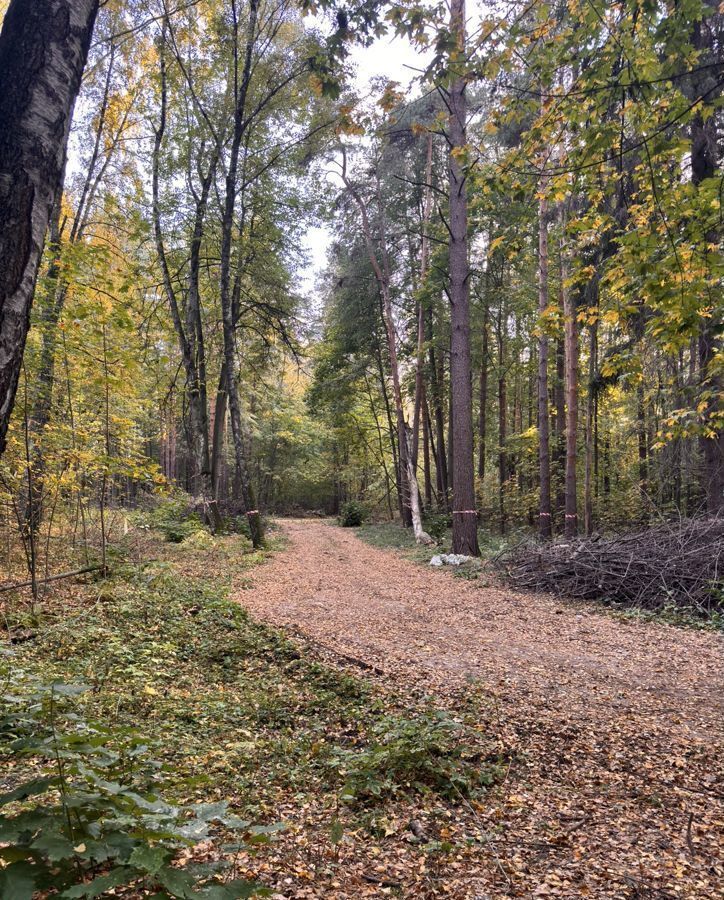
<point>668,615</point>
<point>392,536</point>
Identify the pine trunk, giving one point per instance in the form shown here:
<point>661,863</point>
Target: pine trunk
<point>545,525</point>
<point>465,517</point>
<point>571,388</point>
<point>590,431</point>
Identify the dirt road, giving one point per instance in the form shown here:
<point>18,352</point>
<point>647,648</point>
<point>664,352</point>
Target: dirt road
<point>616,726</point>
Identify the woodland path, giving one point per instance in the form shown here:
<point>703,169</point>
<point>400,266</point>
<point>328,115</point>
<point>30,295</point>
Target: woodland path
<point>617,726</point>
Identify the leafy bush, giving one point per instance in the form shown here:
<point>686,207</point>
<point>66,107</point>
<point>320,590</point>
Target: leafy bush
<point>174,517</point>
<point>81,821</point>
<point>199,541</point>
<point>238,525</point>
<point>424,754</point>
<point>352,514</point>
<point>437,525</point>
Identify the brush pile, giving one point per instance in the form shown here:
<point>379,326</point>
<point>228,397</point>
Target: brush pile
<point>677,563</point>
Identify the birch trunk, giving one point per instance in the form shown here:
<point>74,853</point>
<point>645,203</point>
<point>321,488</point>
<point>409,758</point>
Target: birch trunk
<point>43,51</point>
<point>383,276</point>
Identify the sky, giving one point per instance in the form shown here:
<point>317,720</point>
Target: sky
<point>395,59</point>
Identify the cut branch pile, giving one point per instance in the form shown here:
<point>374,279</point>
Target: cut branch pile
<point>672,564</point>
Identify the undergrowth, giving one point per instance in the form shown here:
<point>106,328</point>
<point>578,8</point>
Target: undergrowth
<point>392,536</point>
<point>224,709</point>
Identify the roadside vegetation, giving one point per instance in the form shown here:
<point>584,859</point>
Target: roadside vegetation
<point>694,598</point>
<point>149,704</point>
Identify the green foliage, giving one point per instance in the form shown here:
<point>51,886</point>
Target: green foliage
<point>239,524</point>
<point>84,816</point>
<point>228,706</point>
<point>422,753</point>
<point>352,514</point>
<point>174,518</point>
<point>437,525</point>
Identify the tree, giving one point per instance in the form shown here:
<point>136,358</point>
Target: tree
<point>188,327</point>
<point>382,271</point>
<point>706,34</point>
<point>111,110</point>
<point>465,517</point>
<point>43,51</point>
<point>545,522</point>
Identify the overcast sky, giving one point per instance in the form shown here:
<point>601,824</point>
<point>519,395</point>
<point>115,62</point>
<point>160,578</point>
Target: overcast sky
<point>395,59</point>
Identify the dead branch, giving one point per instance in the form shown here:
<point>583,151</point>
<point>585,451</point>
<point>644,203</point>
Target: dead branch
<point>670,564</point>
<point>23,584</point>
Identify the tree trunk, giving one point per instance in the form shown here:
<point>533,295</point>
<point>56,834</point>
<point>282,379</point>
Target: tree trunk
<point>571,389</point>
<point>426,449</point>
<point>559,435</point>
<point>380,444</point>
<point>404,437</point>
<point>408,476</point>
<point>218,434</point>
<point>465,517</point>
<point>189,329</point>
<point>590,431</point>
<point>227,312</point>
<point>450,437</point>
<point>502,418</point>
<point>436,386</point>
<point>43,51</point>
<point>424,255</point>
<point>704,147</point>
<point>545,525</point>
<point>483,398</point>
<point>194,326</point>
<point>642,439</point>
<point>391,431</point>
<point>40,415</point>
<point>502,454</point>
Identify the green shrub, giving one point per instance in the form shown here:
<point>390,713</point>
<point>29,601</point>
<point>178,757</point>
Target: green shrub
<point>177,532</point>
<point>175,518</point>
<point>238,525</point>
<point>352,514</point>
<point>437,525</point>
<point>80,819</point>
<point>425,753</point>
<point>199,541</point>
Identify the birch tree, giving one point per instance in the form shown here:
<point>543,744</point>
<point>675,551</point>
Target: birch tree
<point>43,50</point>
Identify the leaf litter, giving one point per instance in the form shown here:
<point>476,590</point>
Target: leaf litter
<point>606,734</point>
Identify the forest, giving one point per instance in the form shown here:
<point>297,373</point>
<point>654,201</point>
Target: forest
<point>361,449</point>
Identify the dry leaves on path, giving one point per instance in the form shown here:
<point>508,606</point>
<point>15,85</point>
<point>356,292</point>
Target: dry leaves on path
<point>614,730</point>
